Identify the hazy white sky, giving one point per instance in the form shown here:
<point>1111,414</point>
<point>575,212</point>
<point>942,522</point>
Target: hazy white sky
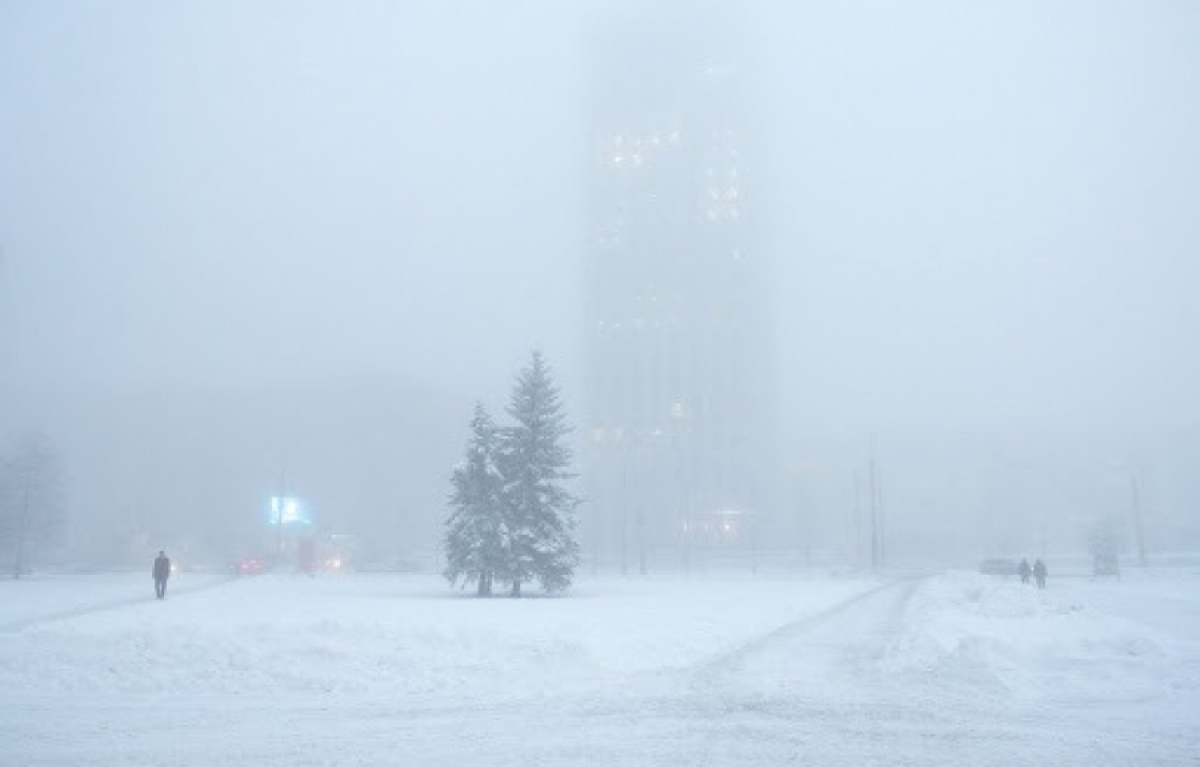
<point>980,213</point>
<point>991,209</point>
<point>244,192</point>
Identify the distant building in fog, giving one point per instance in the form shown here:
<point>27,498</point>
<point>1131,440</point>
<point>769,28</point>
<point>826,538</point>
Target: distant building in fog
<point>679,351</point>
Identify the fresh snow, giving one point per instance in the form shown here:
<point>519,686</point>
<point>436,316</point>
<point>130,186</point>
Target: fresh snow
<point>949,669</point>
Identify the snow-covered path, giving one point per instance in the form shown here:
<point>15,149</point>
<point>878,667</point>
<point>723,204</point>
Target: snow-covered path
<point>949,670</point>
<point>63,598</point>
<point>834,690</point>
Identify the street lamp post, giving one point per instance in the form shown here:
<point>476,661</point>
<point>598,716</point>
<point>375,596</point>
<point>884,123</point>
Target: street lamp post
<point>1137,523</point>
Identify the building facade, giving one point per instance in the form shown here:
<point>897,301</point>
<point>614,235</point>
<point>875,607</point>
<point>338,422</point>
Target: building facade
<point>679,442</point>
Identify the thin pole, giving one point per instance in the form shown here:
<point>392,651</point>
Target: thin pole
<point>279,519</point>
<point>873,500</point>
<point>857,509</point>
<point>625,496</point>
<point>881,523</point>
<point>20,564</point>
<point>1137,523</point>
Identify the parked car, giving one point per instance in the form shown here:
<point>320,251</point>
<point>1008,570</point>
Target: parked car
<point>998,566</point>
<point>248,566</point>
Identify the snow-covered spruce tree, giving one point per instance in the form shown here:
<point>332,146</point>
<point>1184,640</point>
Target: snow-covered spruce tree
<point>539,508</point>
<point>475,529</point>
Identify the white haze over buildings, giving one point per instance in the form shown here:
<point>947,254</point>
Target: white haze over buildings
<point>247,245</point>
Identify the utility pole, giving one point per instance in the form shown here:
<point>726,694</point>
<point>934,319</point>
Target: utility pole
<point>279,506</point>
<point>641,533</point>
<point>881,523</point>
<point>875,515</point>
<point>860,554</point>
<point>625,499</point>
<point>1137,522</point>
<point>640,509</point>
<point>22,531</point>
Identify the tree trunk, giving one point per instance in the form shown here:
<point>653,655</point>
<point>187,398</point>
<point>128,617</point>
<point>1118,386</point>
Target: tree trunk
<point>516,589</point>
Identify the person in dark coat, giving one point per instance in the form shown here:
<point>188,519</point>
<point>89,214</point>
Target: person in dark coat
<point>161,571</point>
<point>1039,573</point>
<point>1024,570</point>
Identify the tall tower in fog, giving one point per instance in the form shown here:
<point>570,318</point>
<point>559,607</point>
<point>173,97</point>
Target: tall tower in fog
<point>679,454</point>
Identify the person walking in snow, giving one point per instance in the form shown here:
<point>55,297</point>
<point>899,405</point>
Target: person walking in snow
<point>161,571</point>
<point>1039,573</point>
<point>1024,570</point>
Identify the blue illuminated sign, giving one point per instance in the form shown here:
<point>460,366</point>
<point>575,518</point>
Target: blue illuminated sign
<point>288,511</point>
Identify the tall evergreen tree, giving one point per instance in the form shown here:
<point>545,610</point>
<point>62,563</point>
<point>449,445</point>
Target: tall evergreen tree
<point>475,530</point>
<point>539,508</point>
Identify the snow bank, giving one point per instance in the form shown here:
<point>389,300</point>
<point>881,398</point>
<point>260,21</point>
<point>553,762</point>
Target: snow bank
<point>1077,640</point>
<point>395,635</point>
<point>956,669</point>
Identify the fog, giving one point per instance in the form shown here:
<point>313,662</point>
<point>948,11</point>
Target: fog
<point>287,244</point>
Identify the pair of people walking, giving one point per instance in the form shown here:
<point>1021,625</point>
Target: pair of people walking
<point>161,572</point>
<point>1038,571</point>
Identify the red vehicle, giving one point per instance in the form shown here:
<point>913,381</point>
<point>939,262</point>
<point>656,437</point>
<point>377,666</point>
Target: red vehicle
<point>247,566</point>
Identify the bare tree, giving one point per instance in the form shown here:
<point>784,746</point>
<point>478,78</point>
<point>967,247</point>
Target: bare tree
<point>31,507</point>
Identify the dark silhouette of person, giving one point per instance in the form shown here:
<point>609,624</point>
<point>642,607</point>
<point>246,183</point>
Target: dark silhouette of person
<point>1039,573</point>
<point>161,571</point>
<point>1024,570</point>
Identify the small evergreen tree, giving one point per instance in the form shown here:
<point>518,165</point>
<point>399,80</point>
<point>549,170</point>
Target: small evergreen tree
<point>539,509</point>
<point>475,530</point>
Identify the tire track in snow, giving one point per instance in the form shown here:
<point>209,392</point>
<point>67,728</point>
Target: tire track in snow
<point>812,687</point>
<point>116,604</point>
<point>735,658</point>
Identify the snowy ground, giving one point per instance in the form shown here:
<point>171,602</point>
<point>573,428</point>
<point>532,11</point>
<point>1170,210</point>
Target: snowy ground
<point>946,670</point>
